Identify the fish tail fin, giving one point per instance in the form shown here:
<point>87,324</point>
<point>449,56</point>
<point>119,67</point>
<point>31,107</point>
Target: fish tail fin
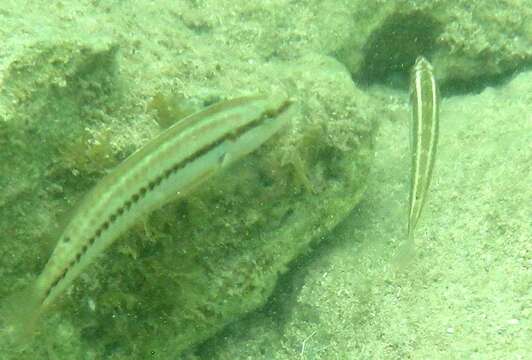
<point>406,251</point>
<point>19,314</point>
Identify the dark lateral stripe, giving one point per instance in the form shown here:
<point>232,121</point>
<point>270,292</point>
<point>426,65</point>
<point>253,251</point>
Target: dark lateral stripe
<point>216,121</point>
<point>424,136</point>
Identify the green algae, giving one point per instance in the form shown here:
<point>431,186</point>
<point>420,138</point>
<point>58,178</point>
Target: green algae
<point>169,108</point>
<point>193,267</point>
<point>83,103</point>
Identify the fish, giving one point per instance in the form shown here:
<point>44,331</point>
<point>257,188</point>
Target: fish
<point>168,167</point>
<point>424,132</point>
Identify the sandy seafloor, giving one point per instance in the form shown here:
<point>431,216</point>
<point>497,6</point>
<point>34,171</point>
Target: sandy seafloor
<point>466,294</point>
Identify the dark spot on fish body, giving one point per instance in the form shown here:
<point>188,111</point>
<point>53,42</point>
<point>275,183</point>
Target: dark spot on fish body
<point>56,281</point>
<point>232,136</point>
<point>53,285</point>
<point>197,155</point>
<point>46,294</point>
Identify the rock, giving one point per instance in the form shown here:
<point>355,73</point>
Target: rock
<point>73,108</point>
<point>464,294</point>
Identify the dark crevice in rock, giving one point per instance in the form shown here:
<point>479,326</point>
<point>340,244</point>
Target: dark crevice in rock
<point>392,48</point>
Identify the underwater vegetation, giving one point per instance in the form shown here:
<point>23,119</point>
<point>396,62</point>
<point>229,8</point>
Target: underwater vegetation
<point>188,269</point>
<point>85,86</point>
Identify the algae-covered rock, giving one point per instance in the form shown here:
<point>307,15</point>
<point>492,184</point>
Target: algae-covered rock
<point>203,262</point>
<point>45,89</point>
<point>465,294</point>
<point>467,41</point>
<point>52,91</point>
<point>197,264</point>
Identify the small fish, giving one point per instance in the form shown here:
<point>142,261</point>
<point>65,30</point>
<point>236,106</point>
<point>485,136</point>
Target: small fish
<point>169,166</point>
<point>424,98</point>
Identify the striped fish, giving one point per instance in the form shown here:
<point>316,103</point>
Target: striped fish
<point>424,98</point>
<point>169,166</point>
